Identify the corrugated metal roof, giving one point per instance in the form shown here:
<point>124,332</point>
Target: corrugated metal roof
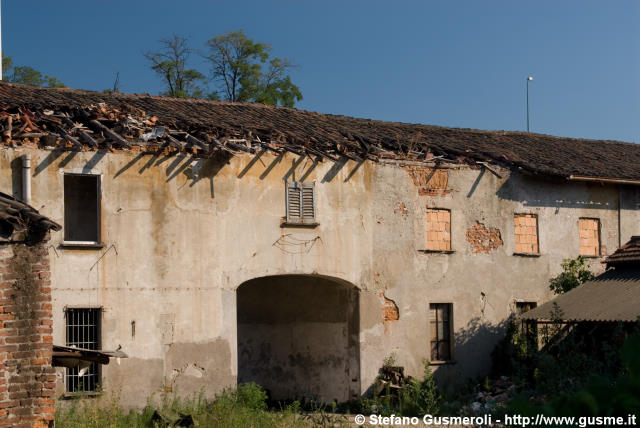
<point>612,296</point>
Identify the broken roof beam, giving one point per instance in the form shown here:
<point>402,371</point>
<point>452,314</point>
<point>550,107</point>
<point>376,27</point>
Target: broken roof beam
<point>110,134</point>
<point>231,143</point>
<point>193,140</point>
<point>68,137</point>
<point>486,165</point>
<point>173,142</point>
<point>84,137</point>
<point>321,154</point>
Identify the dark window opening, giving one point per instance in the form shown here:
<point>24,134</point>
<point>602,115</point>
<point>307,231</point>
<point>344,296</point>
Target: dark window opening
<point>440,321</point>
<point>528,329</point>
<point>301,204</point>
<point>81,208</point>
<point>83,331</point>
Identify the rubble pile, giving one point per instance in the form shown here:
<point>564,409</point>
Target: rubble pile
<point>491,395</point>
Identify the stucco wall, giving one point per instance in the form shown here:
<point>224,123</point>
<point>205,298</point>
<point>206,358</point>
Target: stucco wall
<point>298,337</point>
<point>180,235</point>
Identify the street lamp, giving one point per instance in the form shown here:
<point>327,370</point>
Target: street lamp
<point>529,79</point>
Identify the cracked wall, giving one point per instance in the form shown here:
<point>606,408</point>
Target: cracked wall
<point>180,235</point>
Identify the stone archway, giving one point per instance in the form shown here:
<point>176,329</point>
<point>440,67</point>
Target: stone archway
<point>298,336</point>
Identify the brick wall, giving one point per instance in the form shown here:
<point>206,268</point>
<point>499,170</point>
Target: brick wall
<point>27,379</point>
<point>526,233</point>
<point>589,236</point>
<point>438,229</point>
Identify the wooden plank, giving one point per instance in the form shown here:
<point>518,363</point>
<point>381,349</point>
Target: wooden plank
<point>68,137</point>
<point>109,133</point>
<point>84,137</point>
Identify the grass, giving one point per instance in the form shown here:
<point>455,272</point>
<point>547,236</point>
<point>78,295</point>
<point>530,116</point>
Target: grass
<point>242,407</point>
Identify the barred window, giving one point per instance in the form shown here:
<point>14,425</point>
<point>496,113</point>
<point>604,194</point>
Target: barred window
<point>301,204</point>
<point>440,319</point>
<point>83,331</point>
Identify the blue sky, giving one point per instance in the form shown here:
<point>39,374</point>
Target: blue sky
<point>450,63</point>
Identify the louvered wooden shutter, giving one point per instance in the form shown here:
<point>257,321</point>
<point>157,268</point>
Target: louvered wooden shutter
<point>301,204</point>
<point>308,203</point>
<point>294,203</point>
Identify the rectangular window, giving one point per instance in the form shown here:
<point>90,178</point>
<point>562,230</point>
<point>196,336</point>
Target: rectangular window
<point>440,320</point>
<point>82,208</point>
<point>522,307</point>
<point>528,329</point>
<point>526,233</point>
<point>301,203</point>
<point>438,229</point>
<point>83,331</point>
<point>589,236</point>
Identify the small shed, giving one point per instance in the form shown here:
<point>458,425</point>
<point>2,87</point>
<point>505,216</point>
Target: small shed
<point>613,296</point>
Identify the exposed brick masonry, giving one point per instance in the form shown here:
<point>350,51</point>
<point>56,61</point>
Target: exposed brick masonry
<point>27,379</point>
<point>526,233</point>
<point>589,236</point>
<point>429,181</point>
<point>483,239</point>
<point>438,229</point>
<point>390,311</point>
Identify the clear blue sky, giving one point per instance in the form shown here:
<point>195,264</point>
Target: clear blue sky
<point>450,63</point>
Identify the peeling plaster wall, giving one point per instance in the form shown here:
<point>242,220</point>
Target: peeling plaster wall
<point>181,235</point>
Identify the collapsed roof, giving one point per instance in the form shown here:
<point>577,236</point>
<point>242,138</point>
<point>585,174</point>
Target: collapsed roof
<point>18,216</point>
<point>81,120</point>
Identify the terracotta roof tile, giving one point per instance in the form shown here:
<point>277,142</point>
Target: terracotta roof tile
<point>211,121</point>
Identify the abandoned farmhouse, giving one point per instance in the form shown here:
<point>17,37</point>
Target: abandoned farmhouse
<point>218,242</point>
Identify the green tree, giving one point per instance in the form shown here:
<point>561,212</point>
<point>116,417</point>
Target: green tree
<point>170,63</point>
<point>27,75</point>
<point>574,272</point>
<point>243,71</point>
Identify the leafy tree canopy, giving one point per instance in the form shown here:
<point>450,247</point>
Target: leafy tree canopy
<point>27,75</point>
<point>574,272</point>
<point>170,63</point>
<point>242,71</point>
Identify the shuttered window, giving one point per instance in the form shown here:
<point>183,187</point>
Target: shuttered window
<point>301,203</point>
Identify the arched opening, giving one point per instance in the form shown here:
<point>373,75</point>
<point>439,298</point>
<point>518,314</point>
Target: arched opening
<point>298,337</point>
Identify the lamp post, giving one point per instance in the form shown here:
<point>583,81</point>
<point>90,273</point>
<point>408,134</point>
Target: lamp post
<point>529,79</point>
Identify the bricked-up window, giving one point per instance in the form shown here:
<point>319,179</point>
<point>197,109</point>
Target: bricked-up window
<point>438,229</point>
<point>83,331</point>
<point>301,203</point>
<point>440,317</point>
<point>589,236</point>
<point>82,208</point>
<point>526,233</point>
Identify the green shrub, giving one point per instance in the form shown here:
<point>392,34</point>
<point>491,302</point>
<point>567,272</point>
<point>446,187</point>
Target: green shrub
<point>600,396</point>
<point>252,396</point>
<point>420,397</point>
